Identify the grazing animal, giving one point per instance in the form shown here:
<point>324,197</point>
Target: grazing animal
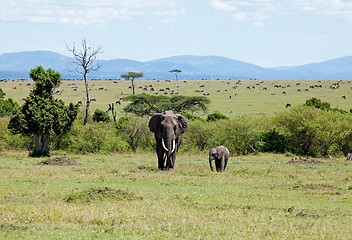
<point>168,129</point>
<point>221,155</point>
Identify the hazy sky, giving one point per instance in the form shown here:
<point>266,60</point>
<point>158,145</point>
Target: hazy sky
<point>264,32</point>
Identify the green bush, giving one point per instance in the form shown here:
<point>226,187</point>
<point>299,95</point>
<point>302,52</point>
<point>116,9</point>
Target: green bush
<point>11,141</point>
<point>216,116</point>
<point>317,103</point>
<point>198,137</point>
<point>313,132</point>
<point>101,116</point>
<point>135,131</point>
<point>190,117</point>
<point>7,107</point>
<point>273,141</point>
<point>92,138</point>
<point>240,135</point>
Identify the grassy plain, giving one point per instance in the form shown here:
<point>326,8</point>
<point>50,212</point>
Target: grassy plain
<point>259,197</point>
<point>126,197</point>
<point>249,97</point>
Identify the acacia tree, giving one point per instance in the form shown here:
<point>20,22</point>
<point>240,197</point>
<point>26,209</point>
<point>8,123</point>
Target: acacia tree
<point>85,62</point>
<point>144,104</point>
<point>132,76</point>
<point>175,71</point>
<point>41,115</point>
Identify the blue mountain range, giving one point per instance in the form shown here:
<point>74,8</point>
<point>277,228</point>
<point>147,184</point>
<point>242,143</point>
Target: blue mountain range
<point>17,66</point>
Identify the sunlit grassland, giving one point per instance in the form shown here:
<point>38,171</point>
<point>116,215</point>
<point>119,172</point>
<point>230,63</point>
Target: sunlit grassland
<point>253,101</point>
<point>259,197</point>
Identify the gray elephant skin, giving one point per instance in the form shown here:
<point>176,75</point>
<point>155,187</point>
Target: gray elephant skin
<point>221,155</point>
<point>169,129</point>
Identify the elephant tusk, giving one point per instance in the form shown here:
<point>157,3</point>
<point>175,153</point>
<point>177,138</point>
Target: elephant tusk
<point>173,146</point>
<point>163,143</point>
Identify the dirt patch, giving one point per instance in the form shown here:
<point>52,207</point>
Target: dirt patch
<point>58,161</point>
<point>304,161</point>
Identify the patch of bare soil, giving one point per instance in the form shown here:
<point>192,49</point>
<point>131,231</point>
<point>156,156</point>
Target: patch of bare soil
<point>58,161</point>
<point>304,161</point>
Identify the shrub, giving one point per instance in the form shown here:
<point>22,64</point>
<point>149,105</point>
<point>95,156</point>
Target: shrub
<point>11,141</point>
<point>7,107</point>
<point>190,117</point>
<point>240,135</point>
<point>101,116</point>
<point>317,103</point>
<point>135,131</point>
<point>215,117</point>
<point>92,138</point>
<point>198,137</point>
<point>314,132</point>
<point>273,141</point>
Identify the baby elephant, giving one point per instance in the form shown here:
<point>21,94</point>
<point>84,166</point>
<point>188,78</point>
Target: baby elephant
<point>220,154</point>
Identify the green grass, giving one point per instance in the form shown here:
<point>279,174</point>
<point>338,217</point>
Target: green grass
<point>125,196</point>
<point>247,102</point>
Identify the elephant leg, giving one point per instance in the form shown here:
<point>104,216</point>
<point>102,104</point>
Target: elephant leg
<point>218,165</point>
<point>225,164</point>
<point>160,153</point>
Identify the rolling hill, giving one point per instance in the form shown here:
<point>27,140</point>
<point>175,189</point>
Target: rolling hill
<point>17,66</point>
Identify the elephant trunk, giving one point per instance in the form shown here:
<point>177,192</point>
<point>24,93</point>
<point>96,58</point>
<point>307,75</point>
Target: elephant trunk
<point>210,160</point>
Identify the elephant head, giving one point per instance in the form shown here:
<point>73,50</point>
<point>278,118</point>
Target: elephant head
<point>168,129</point>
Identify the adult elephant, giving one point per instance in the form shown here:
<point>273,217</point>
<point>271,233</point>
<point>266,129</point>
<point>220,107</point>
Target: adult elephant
<point>168,129</point>
<point>220,154</point>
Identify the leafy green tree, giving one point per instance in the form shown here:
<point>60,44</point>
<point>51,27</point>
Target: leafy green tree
<point>41,115</point>
<point>132,76</point>
<point>144,104</point>
<point>175,71</point>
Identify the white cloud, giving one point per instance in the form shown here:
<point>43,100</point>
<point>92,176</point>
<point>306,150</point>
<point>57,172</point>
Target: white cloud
<point>221,5</point>
<point>257,11</point>
<point>87,12</point>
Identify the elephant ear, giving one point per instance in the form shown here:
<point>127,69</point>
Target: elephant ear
<point>154,122</point>
<point>182,123</point>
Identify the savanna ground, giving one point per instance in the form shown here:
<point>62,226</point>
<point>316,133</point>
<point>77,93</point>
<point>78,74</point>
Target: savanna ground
<point>126,197</point>
<point>251,99</point>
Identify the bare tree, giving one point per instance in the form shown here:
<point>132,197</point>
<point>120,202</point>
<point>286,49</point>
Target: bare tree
<point>85,61</point>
